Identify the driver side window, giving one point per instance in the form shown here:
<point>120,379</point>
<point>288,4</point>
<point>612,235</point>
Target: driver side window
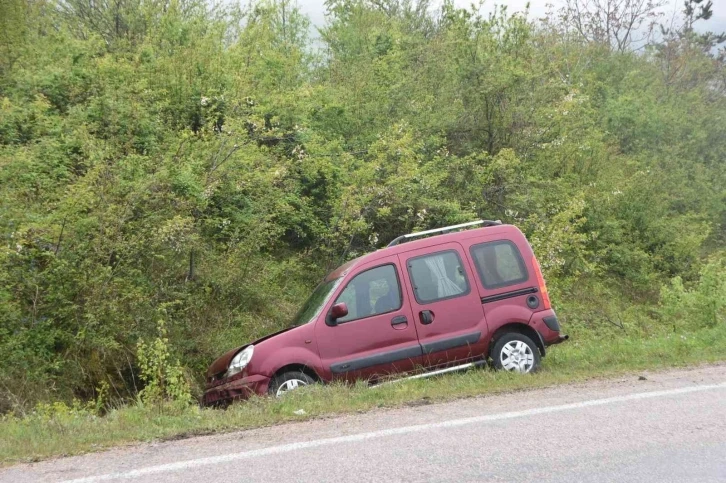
<point>373,292</point>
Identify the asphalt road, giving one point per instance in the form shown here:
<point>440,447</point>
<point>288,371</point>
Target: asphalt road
<point>670,427</point>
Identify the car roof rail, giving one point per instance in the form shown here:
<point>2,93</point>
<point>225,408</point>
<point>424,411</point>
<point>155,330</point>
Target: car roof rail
<point>408,236</point>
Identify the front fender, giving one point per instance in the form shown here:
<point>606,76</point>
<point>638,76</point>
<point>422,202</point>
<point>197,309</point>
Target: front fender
<point>280,358</point>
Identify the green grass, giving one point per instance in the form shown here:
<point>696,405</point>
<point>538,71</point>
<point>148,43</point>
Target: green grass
<point>62,431</point>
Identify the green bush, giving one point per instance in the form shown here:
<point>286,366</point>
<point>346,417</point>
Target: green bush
<point>211,163</point>
<point>703,304</point>
<point>164,379</point>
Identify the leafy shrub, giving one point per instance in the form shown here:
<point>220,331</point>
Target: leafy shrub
<point>703,304</point>
<point>163,377</point>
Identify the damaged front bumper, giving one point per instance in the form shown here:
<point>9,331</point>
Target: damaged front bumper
<point>242,388</point>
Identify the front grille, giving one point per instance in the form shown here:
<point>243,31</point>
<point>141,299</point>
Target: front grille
<point>217,378</point>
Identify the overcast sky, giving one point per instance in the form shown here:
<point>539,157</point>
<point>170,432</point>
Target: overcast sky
<point>315,9</point>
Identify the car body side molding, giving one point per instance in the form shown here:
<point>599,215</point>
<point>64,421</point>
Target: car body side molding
<point>446,344</point>
<point>387,357</point>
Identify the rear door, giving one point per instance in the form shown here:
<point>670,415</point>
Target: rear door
<point>446,306</point>
<point>378,336</point>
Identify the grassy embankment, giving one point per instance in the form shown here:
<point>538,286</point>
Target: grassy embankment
<point>56,432</point>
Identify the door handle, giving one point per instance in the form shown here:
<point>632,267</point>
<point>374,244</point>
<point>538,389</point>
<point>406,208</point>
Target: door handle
<point>426,317</point>
<point>399,320</point>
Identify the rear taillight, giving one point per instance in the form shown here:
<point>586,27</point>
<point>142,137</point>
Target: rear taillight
<point>541,284</point>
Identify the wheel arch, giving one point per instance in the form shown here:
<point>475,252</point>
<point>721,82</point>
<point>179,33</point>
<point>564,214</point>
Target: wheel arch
<point>296,366</point>
<point>518,328</point>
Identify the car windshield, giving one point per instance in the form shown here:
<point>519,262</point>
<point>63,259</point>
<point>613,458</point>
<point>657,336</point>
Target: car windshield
<point>314,304</point>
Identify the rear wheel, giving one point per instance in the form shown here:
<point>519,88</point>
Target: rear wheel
<point>515,352</point>
<point>289,381</point>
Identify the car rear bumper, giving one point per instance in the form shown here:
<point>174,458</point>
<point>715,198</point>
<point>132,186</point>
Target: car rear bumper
<point>548,326</point>
<point>238,389</point>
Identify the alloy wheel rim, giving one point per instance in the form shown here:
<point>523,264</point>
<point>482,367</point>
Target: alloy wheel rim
<point>289,385</point>
<point>516,356</point>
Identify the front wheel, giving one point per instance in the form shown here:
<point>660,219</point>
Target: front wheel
<point>289,381</point>
<point>516,352</point>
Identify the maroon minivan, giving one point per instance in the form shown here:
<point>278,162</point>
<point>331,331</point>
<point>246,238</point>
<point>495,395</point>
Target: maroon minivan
<point>436,304</point>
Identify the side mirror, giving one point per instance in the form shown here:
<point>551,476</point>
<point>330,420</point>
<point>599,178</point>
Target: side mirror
<point>337,311</point>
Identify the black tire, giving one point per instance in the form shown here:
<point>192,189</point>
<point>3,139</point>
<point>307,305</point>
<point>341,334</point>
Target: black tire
<point>511,339</point>
<point>278,381</point>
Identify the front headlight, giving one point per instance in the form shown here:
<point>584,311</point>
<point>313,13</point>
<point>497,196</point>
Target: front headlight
<point>240,361</point>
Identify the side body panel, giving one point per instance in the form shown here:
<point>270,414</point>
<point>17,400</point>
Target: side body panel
<point>373,346</point>
<point>507,304</point>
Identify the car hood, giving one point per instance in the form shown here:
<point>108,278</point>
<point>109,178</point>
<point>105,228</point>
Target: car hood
<point>222,363</point>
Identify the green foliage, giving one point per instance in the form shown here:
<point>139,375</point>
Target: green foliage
<point>561,246</point>
<point>214,162</point>
<point>703,305</point>
<point>164,379</point>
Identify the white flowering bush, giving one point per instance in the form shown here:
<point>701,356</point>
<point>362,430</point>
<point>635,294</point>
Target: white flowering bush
<point>177,232</point>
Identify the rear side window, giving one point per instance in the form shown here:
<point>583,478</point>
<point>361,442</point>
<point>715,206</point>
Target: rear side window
<point>438,276</point>
<point>499,264</point>
<point>373,292</point>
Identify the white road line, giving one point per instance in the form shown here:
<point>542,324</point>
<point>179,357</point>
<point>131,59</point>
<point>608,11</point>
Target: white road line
<point>287,448</point>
